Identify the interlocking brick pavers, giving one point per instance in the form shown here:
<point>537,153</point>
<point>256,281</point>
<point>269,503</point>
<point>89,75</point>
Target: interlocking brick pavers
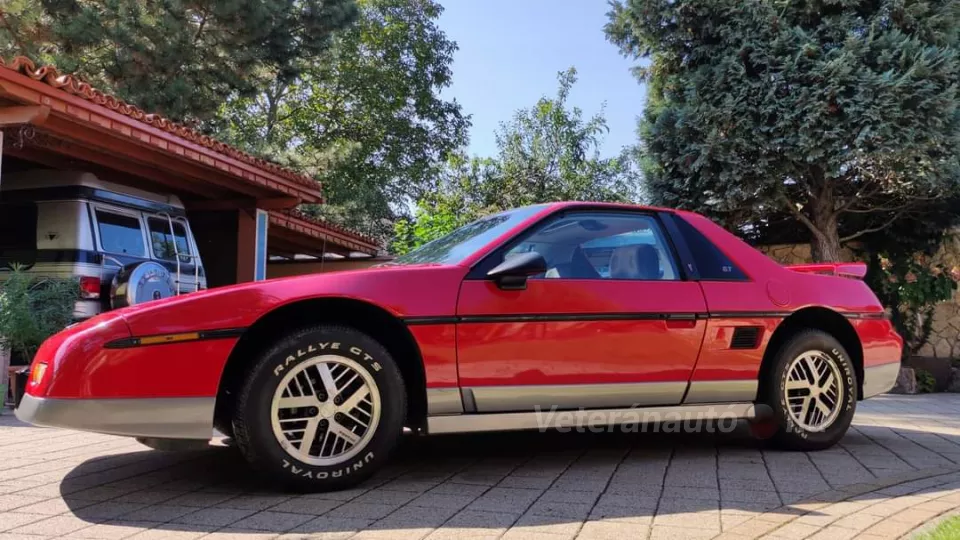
<point>898,468</point>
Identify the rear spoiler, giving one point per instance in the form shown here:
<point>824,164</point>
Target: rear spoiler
<point>848,270</point>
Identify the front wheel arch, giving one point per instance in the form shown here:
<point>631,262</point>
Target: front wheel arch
<point>368,318</point>
<point>813,318</point>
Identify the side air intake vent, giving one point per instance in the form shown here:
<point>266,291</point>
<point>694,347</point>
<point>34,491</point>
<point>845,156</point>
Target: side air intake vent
<point>745,337</point>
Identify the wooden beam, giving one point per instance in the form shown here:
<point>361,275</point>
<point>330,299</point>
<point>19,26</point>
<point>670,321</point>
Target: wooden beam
<point>26,114</point>
<point>68,157</point>
<point>232,204</point>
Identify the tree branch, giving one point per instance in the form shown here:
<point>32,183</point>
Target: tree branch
<point>869,230</point>
<point>913,202</point>
<point>800,215</point>
<point>846,207</point>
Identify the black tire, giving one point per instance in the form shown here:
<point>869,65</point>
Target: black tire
<point>252,423</point>
<point>791,435</point>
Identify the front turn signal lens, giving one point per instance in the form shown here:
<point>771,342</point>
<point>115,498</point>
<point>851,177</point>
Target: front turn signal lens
<point>37,373</point>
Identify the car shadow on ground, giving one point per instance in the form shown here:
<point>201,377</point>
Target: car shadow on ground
<point>496,474</point>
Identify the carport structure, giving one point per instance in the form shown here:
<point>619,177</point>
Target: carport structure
<point>241,208</point>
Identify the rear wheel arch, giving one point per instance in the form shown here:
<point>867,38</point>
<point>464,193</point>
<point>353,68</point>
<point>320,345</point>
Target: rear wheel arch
<point>365,317</point>
<point>813,318</point>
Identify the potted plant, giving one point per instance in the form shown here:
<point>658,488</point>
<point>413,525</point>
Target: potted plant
<point>33,308</point>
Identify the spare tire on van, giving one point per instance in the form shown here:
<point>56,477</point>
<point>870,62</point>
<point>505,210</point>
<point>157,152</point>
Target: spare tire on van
<point>141,282</point>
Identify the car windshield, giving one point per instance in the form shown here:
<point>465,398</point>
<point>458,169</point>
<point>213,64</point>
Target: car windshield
<point>458,245</point>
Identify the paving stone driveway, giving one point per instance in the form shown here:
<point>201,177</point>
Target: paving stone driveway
<point>898,467</point>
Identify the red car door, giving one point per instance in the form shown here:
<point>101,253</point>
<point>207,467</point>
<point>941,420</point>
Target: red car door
<point>612,323</point>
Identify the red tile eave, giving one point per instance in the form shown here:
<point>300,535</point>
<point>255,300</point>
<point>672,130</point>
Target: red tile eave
<point>315,230</point>
<point>165,140</point>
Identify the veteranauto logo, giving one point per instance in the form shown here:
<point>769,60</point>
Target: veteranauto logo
<point>719,419</point>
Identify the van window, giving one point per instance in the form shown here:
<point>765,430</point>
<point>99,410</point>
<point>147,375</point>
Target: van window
<point>163,243</point>
<point>120,234</point>
<point>18,226</point>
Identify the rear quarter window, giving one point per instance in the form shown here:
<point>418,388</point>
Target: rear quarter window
<point>18,226</point>
<point>712,264</point>
<point>120,234</point>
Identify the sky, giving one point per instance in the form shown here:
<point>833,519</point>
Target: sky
<point>510,53</point>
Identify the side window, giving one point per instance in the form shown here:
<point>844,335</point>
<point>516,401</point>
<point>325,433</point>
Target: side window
<point>162,242</point>
<point>18,226</point>
<point>601,246</point>
<point>120,234</point>
<point>712,264</point>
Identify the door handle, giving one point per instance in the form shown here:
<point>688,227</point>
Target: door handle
<point>682,320</point>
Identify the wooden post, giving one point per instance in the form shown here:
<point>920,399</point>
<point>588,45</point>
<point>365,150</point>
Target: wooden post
<point>4,351</point>
<point>4,373</point>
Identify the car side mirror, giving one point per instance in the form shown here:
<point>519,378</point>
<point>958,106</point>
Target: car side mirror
<point>512,274</point>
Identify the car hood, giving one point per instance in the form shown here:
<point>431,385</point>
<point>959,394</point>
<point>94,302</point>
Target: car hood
<point>402,290</point>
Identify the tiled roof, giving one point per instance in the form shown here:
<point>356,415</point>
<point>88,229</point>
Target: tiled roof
<point>75,86</point>
<point>297,214</point>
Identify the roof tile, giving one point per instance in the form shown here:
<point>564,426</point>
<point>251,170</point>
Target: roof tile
<point>297,214</point>
<point>75,86</point>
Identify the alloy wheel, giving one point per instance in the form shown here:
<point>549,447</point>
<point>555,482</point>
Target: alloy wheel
<point>325,410</point>
<point>814,390</point>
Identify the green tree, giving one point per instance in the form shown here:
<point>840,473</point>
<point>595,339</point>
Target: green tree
<point>464,193</point>
<point>841,113</point>
<point>546,153</point>
<point>174,57</point>
<point>366,119</point>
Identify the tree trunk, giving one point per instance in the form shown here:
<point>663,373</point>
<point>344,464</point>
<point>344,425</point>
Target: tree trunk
<point>825,247</point>
<point>825,243</point>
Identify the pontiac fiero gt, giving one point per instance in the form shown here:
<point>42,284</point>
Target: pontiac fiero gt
<point>591,308</point>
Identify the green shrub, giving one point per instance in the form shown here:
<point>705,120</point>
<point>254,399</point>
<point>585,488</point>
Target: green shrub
<point>911,286</point>
<point>33,308</point>
<point>948,529</point>
<point>926,382</point>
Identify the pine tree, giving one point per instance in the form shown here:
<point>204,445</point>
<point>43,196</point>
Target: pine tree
<point>178,58</point>
<point>840,113</point>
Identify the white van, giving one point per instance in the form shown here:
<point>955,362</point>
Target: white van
<point>124,245</point>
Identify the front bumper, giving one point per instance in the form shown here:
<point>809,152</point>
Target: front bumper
<point>879,378</point>
<point>167,418</point>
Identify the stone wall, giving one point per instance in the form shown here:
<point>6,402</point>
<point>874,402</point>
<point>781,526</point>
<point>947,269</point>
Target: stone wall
<point>798,253</point>
<point>945,337</point>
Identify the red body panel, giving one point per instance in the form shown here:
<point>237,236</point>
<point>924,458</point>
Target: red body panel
<point>174,370</point>
<point>609,334</point>
<point>880,342</point>
<point>579,351</point>
<point>438,348</point>
<point>403,291</point>
<point>70,351</point>
<point>718,362</point>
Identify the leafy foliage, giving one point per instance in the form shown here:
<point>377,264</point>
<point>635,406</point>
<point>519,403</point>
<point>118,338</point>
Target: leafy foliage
<point>911,288</point>
<point>34,308</point>
<point>904,274</point>
<point>174,57</point>
<point>545,153</point>
<point>366,118</point>
<point>926,382</point>
<point>840,113</point>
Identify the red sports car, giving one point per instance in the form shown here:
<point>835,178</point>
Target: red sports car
<point>596,310</point>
